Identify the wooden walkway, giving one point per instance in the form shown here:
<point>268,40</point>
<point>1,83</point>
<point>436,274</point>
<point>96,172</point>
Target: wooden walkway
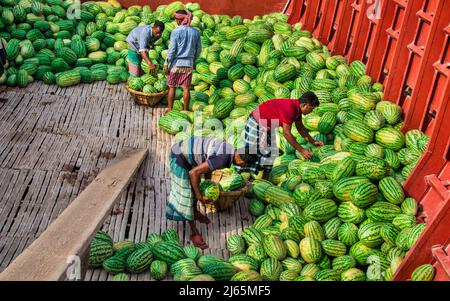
<point>53,142</point>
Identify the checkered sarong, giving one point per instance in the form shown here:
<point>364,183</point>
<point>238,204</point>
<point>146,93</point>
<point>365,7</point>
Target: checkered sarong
<point>258,140</point>
<point>180,77</point>
<point>180,206</point>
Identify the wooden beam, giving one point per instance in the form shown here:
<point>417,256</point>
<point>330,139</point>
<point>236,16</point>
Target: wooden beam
<point>60,247</point>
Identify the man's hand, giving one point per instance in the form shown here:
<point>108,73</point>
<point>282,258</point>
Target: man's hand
<point>166,69</point>
<point>306,153</point>
<point>152,67</point>
<point>317,143</point>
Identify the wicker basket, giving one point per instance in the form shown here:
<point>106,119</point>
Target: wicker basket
<point>146,99</point>
<point>226,198</point>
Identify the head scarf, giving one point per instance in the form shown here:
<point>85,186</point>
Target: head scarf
<point>185,19</point>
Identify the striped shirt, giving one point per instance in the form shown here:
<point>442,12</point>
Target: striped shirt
<point>195,150</point>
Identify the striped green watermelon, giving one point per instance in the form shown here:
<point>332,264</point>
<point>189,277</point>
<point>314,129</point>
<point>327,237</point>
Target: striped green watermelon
<point>244,262</point>
<point>99,251</point>
<point>310,250</point>
<point>170,235</point>
<point>364,195</point>
<point>415,233</point>
<point>374,120</point>
<point>343,263</point>
<point>246,276</point>
<point>403,221</point>
<point>327,275</point>
<point>252,236</point>
<point>343,188</point>
<point>348,234</point>
<point>158,269</point>
<point>121,277</point>
<point>139,260</point>
<point>314,230</point>
<point>292,264</point>
<point>392,190</point>
<point>353,274</point>
<point>383,212</point>
<point>334,248</point>
<point>274,247</point>
<point>321,210</point>
<point>168,251</point>
<point>192,252</point>
<point>360,253</point>
<point>181,264</point>
<point>359,131</point>
<point>344,169</point>
<point>271,269</point>
<point>390,138</point>
<point>235,244</point>
<point>205,260</point>
<point>370,235</point>
<point>310,270</point>
<point>262,222</point>
<point>256,251</point>
<point>424,272</point>
<point>350,213</point>
<point>220,271</point>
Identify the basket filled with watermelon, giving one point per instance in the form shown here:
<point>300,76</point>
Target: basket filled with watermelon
<point>147,89</point>
<point>224,189</point>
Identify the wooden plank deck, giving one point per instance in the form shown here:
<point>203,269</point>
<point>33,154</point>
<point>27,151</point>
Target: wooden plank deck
<point>53,143</point>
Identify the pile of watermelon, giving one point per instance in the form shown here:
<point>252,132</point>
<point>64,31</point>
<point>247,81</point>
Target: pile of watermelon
<point>259,254</point>
<point>52,41</point>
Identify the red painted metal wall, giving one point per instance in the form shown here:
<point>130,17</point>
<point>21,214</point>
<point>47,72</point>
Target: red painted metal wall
<point>244,8</point>
<point>406,46</point>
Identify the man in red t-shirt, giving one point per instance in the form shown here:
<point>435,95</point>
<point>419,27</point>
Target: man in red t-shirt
<point>268,116</point>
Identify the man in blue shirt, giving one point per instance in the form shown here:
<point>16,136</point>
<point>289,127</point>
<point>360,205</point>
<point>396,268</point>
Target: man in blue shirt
<point>139,41</point>
<point>184,48</point>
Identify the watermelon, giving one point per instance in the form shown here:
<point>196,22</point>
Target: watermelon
<point>314,230</point>
<point>121,277</point>
<point>369,234</point>
<point>271,269</point>
<point>353,274</point>
<point>246,276</point>
<point>235,244</point>
<point>424,272</point>
<point>334,248</point>
<point>321,210</point>
<point>168,251</point>
<point>274,247</point>
<point>158,269</point>
<point>310,250</point>
<point>343,263</point>
<point>390,138</point>
<point>139,260</point>
<point>364,195</point>
<point>348,234</point>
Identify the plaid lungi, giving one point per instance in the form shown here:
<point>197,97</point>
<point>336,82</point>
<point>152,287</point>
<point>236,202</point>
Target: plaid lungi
<point>180,77</point>
<point>180,206</point>
<point>134,62</point>
<point>258,140</point>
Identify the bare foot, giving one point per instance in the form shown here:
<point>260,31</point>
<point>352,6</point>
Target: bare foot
<point>202,218</point>
<point>198,241</point>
